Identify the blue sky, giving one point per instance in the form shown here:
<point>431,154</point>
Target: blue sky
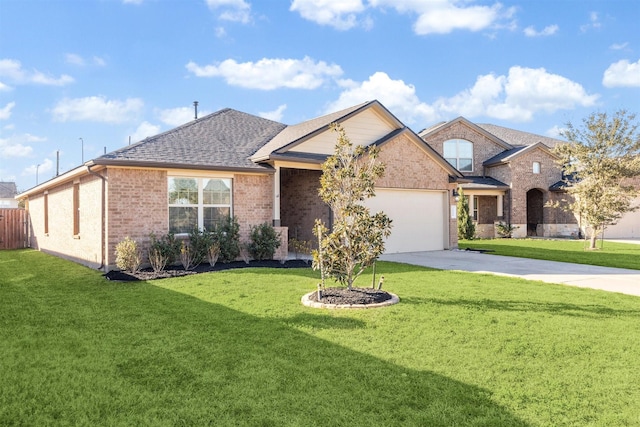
<point>77,76</point>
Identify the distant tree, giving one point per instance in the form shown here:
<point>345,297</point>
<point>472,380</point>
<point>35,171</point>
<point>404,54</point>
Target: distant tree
<point>598,160</point>
<point>357,238</point>
<point>466,227</point>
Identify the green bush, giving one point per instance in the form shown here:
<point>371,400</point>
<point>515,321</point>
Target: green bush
<point>128,255</point>
<point>505,230</point>
<point>164,250</point>
<point>226,234</point>
<point>200,241</point>
<point>264,241</point>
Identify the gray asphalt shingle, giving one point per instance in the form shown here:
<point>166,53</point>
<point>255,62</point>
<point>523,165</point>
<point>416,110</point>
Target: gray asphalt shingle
<point>227,139</point>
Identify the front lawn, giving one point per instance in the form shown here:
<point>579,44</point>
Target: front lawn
<point>237,348</point>
<point>612,254</point>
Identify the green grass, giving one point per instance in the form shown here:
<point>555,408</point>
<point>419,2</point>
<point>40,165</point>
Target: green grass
<point>611,254</point>
<point>237,348</point>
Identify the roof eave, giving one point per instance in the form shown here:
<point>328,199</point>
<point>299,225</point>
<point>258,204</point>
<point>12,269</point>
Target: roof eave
<point>167,165</point>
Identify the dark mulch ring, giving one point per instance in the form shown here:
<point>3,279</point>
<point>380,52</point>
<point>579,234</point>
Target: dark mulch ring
<point>353,296</point>
<point>176,271</point>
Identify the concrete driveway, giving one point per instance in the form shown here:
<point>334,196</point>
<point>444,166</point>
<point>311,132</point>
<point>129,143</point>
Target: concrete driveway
<point>584,276</point>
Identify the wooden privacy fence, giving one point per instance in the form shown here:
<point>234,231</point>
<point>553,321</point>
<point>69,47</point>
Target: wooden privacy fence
<point>13,229</point>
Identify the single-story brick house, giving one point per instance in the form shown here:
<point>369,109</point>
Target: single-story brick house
<point>255,169</point>
<point>510,174</point>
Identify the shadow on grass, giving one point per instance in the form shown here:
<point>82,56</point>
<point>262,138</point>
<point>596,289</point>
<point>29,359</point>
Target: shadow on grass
<point>564,309</point>
<point>143,355</point>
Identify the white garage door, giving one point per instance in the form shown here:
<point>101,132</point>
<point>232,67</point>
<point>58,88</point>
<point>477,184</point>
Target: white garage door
<point>628,227</point>
<point>418,219</point>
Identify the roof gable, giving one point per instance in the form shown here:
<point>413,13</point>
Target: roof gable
<point>429,132</point>
<point>365,123</point>
<point>509,155</point>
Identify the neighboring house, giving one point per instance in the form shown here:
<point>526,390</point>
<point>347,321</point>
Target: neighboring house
<point>233,163</point>
<point>512,176</point>
<point>8,192</point>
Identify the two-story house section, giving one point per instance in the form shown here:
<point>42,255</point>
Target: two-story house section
<point>512,177</point>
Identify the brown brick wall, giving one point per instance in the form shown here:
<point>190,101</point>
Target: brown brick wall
<point>252,201</point>
<point>136,207</point>
<point>483,147</point>
<point>85,247</point>
<point>300,203</point>
<point>409,166</point>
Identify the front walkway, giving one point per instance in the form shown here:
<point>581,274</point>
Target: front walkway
<point>585,276</point>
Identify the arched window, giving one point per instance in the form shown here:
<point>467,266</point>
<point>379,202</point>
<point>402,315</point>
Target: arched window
<point>459,153</point>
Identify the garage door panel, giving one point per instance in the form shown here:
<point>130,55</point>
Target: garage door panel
<point>418,219</point>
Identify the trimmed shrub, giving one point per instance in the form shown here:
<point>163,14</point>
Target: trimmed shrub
<point>128,255</point>
<point>186,256</point>
<point>164,250</point>
<point>200,241</point>
<point>226,234</point>
<point>264,241</point>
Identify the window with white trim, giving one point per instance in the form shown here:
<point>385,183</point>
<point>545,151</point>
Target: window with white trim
<point>476,203</point>
<point>198,203</point>
<point>536,167</point>
<point>459,153</point>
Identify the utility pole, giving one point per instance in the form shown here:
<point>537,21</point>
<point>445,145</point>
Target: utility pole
<point>82,142</point>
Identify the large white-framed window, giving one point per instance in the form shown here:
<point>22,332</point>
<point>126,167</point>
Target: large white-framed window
<point>196,202</point>
<point>459,153</point>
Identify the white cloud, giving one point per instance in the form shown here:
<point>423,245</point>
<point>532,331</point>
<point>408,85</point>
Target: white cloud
<point>144,130</point>
<point>433,17</point>
<point>269,74</point>
<point>13,71</point>
<point>275,115</point>
<point>622,74</point>
<point>232,10</point>
<point>97,109</point>
<point>5,112</point>
<point>13,147</point>
<point>518,96</point>
<point>180,115</point>
<point>340,14</point>
<point>75,59</point>
<point>555,132</point>
<point>594,23</point>
<point>40,169</point>
<point>619,46</point>
<point>546,31</point>
<point>443,20</point>
<point>396,95</point>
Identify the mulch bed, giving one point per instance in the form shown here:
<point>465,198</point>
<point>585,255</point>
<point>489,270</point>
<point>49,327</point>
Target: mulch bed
<point>354,296</point>
<point>330,295</point>
<point>177,271</point>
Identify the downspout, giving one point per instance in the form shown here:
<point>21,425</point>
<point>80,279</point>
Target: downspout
<point>102,215</point>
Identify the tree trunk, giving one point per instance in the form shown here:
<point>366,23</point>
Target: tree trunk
<point>594,238</point>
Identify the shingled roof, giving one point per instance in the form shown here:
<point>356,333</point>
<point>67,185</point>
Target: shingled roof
<point>518,138</point>
<point>223,140</point>
<point>8,190</point>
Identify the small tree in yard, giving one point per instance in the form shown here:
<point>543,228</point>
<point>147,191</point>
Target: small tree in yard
<point>466,227</point>
<point>598,159</point>
<point>357,238</point>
